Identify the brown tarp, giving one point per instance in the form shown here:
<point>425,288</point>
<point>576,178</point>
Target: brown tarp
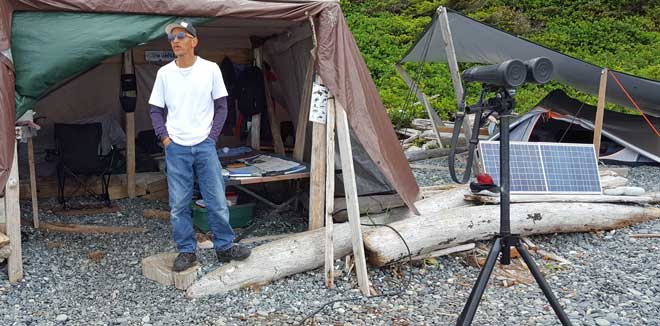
<point>340,65</point>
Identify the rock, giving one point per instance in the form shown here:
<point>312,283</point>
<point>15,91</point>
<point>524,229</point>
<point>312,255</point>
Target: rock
<point>146,319</point>
<point>61,317</point>
<point>602,322</point>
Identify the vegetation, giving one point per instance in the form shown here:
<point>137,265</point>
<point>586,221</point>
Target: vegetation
<point>618,34</point>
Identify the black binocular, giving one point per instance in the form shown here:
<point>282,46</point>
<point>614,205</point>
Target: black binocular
<point>511,73</point>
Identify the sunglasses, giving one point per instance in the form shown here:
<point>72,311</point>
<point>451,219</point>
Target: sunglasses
<point>179,35</point>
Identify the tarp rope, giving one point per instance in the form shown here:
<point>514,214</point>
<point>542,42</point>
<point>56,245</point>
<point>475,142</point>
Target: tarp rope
<point>634,104</point>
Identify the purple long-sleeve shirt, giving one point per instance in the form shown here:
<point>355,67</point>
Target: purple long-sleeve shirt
<point>158,117</point>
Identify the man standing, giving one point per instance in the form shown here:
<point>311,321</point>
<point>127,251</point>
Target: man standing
<point>190,92</point>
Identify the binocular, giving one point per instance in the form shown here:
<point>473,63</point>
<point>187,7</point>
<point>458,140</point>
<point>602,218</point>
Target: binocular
<point>511,73</point>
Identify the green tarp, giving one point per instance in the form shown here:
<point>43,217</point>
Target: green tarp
<point>51,47</point>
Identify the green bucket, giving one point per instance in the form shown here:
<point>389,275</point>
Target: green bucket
<point>239,216</point>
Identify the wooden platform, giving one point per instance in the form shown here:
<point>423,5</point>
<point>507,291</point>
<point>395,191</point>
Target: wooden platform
<point>159,268</point>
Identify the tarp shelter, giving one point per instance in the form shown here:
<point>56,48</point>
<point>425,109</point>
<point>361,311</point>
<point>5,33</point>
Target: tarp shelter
<point>560,118</point>
<point>475,42</point>
<point>59,41</point>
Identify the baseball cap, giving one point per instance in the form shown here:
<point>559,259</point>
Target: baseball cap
<point>182,24</point>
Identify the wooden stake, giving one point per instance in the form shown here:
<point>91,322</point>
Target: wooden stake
<point>130,134</point>
<point>600,110</point>
<point>130,154</point>
<point>317,177</point>
<point>455,74</point>
<point>330,194</point>
<point>272,118</point>
<point>348,172</point>
<point>255,128</point>
<point>13,209</point>
<point>33,184</point>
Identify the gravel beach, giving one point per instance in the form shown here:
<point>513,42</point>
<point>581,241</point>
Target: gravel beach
<point>614,279</point>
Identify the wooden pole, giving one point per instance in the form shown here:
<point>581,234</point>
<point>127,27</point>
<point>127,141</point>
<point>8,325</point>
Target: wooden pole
<point>13,209</point>
<point>600,110</point>
<point>130,134</point>
<point>435,119</point>
<point>350,189</point>
<point>329,194</point>
<point>255,128</point>
<point>275,132</point>
<point>317,176</point>
<point>455,74</point>
<point>33,184</point>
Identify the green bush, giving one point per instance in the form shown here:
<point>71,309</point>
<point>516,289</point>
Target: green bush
<point>621,35</point>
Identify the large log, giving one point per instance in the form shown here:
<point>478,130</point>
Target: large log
<point>451,227</point>
<point>561,199</point>
<point>280,258</point>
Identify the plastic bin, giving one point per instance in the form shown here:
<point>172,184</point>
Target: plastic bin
<point>239,216</point>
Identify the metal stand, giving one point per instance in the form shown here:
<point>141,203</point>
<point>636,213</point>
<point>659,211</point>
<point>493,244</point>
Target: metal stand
<point>505,240</point>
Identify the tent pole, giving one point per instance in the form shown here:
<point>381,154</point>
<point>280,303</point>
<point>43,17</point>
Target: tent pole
<point>13,216</point>
<point>255,128</point>
<point>455,75</point>
<point>317,175</point>
<point>436,122</point>
<point>600,111</point>
<point>130,134</point>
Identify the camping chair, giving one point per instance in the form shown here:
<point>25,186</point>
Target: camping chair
<point>78,147</point>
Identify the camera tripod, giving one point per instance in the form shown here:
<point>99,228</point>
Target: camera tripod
<point>503,104</point>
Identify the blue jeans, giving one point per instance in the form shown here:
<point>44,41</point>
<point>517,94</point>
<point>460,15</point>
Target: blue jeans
<point>203,160</point>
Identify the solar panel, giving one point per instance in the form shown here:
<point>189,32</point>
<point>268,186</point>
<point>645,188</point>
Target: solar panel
<point>545,167</point>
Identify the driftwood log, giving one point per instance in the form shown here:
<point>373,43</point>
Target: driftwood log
<point>562,199</point>
<point>431,153</point>
<point>452,227</point>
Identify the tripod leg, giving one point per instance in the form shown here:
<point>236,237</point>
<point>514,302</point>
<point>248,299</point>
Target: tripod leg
<point>543,284</point>
<point>480,286</point>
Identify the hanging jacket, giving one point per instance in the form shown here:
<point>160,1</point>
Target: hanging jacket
<point>250,92</point>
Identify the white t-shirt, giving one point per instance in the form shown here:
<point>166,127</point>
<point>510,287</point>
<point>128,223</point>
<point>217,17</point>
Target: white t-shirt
<point>188,94</point>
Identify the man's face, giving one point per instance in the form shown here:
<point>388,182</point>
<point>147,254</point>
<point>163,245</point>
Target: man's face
<point>182,46</point>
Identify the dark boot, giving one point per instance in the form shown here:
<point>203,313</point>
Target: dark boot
<point>184,261</point>
<point>235,252</point>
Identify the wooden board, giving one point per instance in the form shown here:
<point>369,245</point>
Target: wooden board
<point>329,194</point>
<point>352,206</point>
<point>33,184</point>
<point>88,228</point>
<point>317,177</point>
<point>159,268</point>
<point>86,211</point>
<point>156,214</point>
<point>600,110</point>
<point>13,211</point>
<point>4,240</point>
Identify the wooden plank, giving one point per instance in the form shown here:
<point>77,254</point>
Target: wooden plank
<point>445,252</point>
<point>561,199</point>
<point>329,194</point>
<point>645,235</point>
<point>272,119</point>
<point>88,228</point>
<point>121,191</point>
<point>255,127</point>
<point>600,110</point>
<point>156,213</point>
<point>33,184</point>
<point>86,211</point>
<point>455,74</point>
<point>317,177</point>
<point>348,172</point>
<point>13,212</point>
